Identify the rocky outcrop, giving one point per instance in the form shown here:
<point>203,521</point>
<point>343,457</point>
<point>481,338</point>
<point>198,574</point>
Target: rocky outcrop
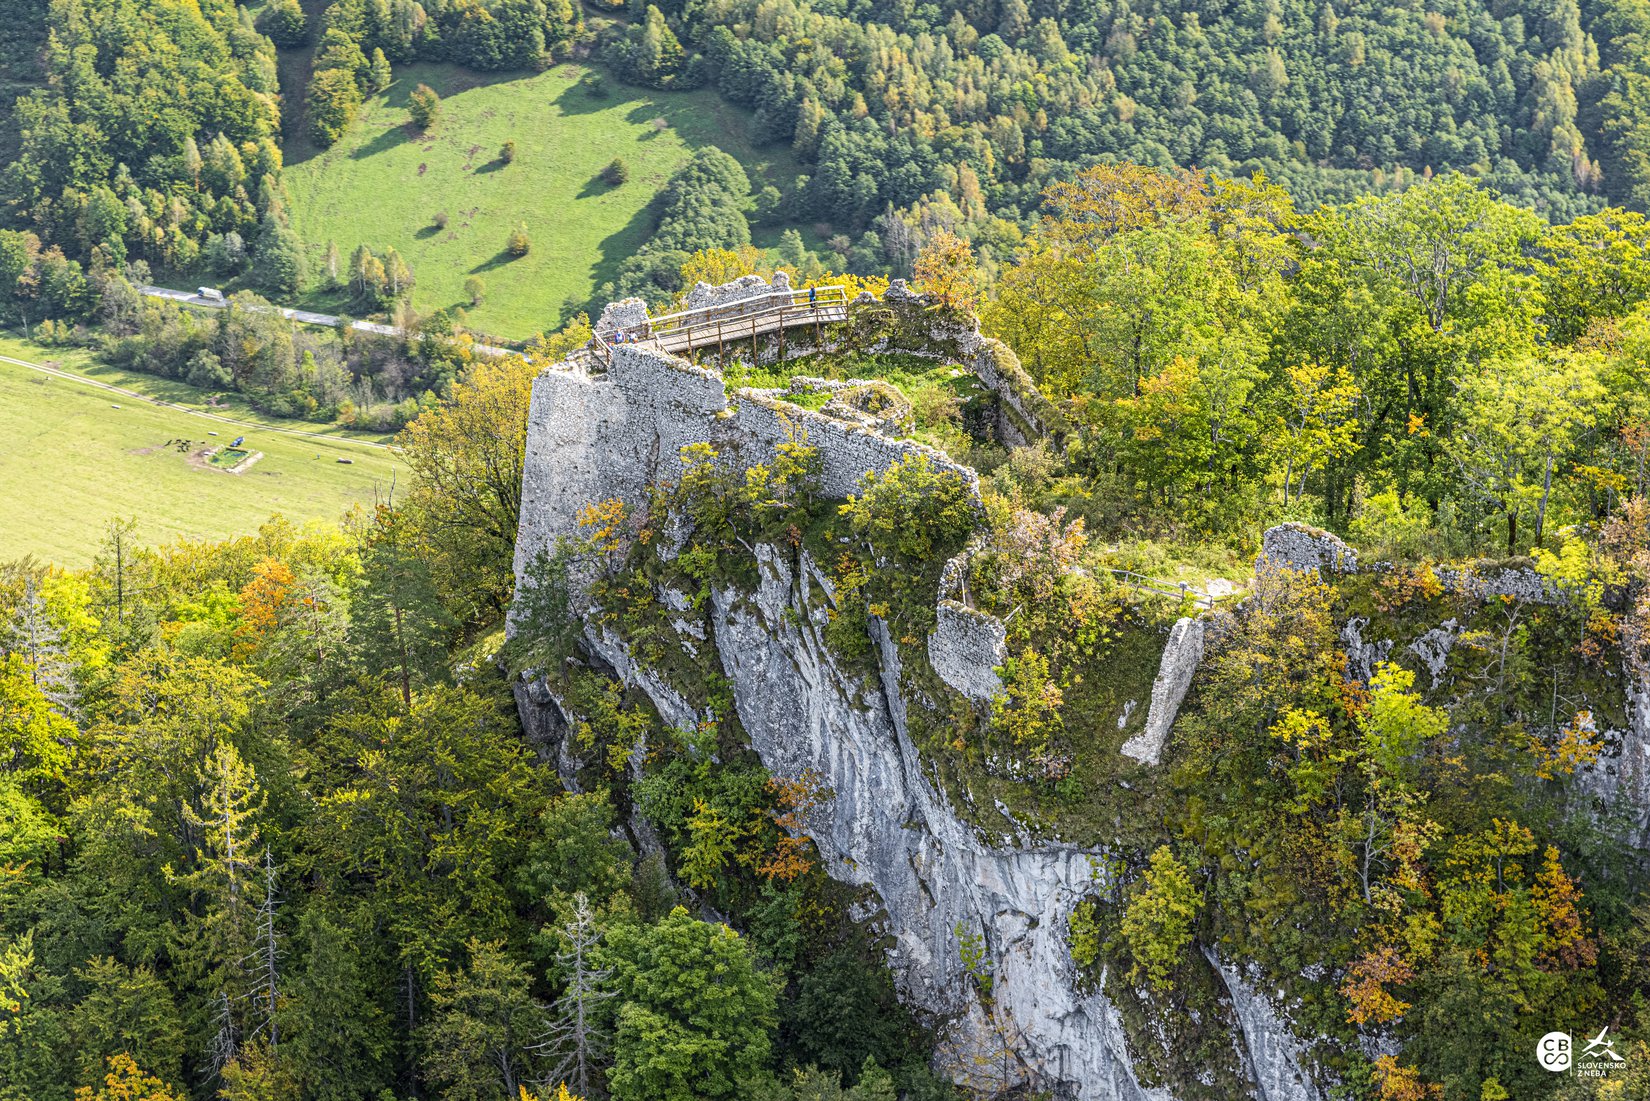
<point>1271,1055</point>
<point>625,315</point>
<point>1488,582</point>
<point>1362,656</point>
<point>1433,648</point>
<point>1024,415</point>
<point>595,438</point>
<point>888,828</point>
<point>876,405</point>
<point>1618,783</point>
<point>1181,657</point>
<point>933,876</point>
<point>706,295</point>
<point>901,322</point>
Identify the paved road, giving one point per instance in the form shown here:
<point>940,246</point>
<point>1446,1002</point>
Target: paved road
<point>251,426</point>
<point>307,317</point>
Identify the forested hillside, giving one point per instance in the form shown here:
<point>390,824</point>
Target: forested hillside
<point>269,829</point>
<point>892,101</point>
<point>903,117</point>
<point>383,809</point>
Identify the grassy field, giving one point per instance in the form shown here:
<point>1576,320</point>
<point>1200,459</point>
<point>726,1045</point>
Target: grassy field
<point>82,362</point>
<point>69,461</point>
<point>384,184</point>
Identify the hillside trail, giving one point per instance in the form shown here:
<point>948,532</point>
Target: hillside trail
<point>251,426</point>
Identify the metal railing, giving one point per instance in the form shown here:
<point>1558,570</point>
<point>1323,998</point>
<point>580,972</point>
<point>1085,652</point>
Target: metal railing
<point>735,320</point>
<point>1179,591</point>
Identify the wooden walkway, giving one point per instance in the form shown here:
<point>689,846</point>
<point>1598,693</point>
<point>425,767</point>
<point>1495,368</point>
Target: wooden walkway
<point>718,326</point>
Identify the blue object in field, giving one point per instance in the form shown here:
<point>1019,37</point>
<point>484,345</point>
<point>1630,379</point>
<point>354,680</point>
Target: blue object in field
<point>237,442</point>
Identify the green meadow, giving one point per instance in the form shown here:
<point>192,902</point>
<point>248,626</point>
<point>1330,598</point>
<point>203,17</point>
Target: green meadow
<point>384,184</point>
<point>70,460</point>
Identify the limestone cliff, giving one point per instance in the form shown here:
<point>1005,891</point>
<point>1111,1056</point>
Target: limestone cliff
<point>938,871</point>
<point>887,827</point>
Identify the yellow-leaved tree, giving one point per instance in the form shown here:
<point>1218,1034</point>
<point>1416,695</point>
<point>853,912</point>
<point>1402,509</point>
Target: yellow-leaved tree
<point>1159,919</point>
<point>126,1081</point>
<point>466,457</point>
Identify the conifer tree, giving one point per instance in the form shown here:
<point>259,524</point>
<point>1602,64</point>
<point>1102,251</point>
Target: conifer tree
<point>33,636</point>
<point>577,1038</point>
<point>267,952</point>
<point>403,626</point>
<point>381,72</point>
<point>220,929</point>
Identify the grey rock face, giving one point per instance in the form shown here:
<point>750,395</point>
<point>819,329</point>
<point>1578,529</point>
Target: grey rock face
<point>900,291</point>
<point>876,405</point>
<point>626,313</point>
<point>704,295</point>
<point>889,829</point>
<point>1181,658</point>
<point>1619,781</point>
<point>1433,648</point>
<point>1521,583</point>
<point>1299,547</point>
<point>1269,1050</point>
<point>1362,657</point>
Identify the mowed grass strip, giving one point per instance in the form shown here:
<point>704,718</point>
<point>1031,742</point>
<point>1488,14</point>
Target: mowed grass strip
<point>384,184</point>
<point>69,462</point>
<point>86,364</point>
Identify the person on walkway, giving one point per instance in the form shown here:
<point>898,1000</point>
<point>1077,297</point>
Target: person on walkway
<point>813,298</point>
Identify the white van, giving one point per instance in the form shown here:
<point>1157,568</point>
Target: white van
<point>211,294</point>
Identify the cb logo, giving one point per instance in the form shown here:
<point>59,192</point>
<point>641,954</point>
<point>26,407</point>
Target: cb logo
<point>1553,1052</point>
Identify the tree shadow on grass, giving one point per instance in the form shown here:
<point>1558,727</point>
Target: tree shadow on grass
<point>580,99</point>
<point>383,143</point>
<point>495,165</point>
<point>618,247</point>
<point>594,186</point>
<point>499,259</point>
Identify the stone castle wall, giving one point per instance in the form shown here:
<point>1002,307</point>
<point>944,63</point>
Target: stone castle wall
<point>611,435</point>
<point>901,322</point>
<point>1617,784</point>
